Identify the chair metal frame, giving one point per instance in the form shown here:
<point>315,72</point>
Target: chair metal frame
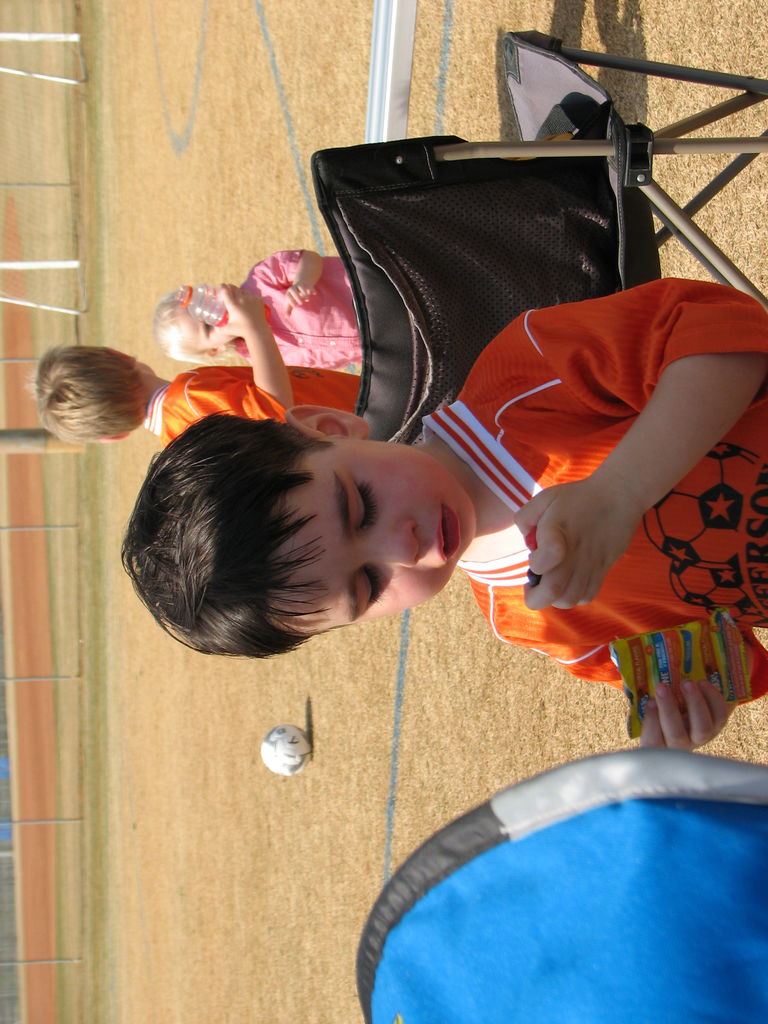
<point>640,145</point>
<point>416,346</point>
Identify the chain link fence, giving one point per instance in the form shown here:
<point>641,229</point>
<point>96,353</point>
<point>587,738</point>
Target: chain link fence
<point>41,294</point>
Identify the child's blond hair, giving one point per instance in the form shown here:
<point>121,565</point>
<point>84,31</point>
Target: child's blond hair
<point>173,343</point>
<point>87,393</point>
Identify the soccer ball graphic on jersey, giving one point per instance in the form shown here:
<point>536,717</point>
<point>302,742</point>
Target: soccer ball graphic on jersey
<point>694,527</point>
<point>285,750</point>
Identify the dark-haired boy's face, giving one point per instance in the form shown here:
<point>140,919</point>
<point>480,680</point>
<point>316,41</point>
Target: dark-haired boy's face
<point>390,523</point>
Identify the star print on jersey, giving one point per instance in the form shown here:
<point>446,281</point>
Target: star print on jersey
<point>709,527</point>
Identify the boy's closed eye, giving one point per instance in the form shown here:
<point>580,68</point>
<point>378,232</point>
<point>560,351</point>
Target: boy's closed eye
<point>356,506</point>
<point>358,510</point>
<point>366,520</point>
<point>375,585</point>
<point>369,506</point>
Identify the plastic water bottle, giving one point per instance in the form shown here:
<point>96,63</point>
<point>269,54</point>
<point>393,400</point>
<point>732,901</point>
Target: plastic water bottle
<point>203,303</point>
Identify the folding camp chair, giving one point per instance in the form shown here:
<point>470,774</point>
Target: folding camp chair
<point>445,242</point>
<point>540,70</point>
<point>621,889</point>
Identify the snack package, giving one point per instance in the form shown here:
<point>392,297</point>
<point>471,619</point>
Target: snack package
<point>710,649</point>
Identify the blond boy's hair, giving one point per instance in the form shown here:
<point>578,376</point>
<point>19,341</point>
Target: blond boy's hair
<point>86,393</point>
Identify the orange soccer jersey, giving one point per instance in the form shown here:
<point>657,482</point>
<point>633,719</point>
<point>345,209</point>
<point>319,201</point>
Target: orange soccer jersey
<point>230,389</point>
<point>547,401</point>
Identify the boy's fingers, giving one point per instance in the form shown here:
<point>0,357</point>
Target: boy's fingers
<point>560,588</point>
<point>651,735</point>
<point>707,710</point>
<point>706,714</point>
<point>550,548</point>
<point>565,579</point>
<point>672,729</point>
<point>665,725</point>
<point>527,517</point>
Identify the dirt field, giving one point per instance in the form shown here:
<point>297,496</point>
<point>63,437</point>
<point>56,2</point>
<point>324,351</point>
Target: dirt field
<point>219,892</point>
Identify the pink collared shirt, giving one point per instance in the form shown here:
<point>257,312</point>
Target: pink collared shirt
<point>321,332</point>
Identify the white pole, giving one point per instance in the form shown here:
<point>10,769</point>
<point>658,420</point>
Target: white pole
<point>34,37</point>
<point>40,305</point>
<point>39,264</point>
<point>43,37</point>
<point>389,80</point>
<point>44,78</point>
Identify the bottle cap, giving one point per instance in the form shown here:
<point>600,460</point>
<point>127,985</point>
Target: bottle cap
<point>534,579</point>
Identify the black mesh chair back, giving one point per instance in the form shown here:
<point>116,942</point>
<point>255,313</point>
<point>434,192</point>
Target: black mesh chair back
<point>442,255</point>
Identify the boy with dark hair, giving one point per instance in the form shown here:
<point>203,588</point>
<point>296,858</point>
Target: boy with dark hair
<point>602,425</point>
<point>232,587</point>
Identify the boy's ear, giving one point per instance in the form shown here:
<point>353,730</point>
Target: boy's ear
<point>117,437</point>
<point>320,421</point>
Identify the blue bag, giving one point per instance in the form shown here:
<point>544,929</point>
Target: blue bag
<point>621,889</point>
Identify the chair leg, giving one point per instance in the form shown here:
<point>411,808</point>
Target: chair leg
<point>715,186</point>
<point>698,243</point>
<point>709,116</point>
<point>700,76</point>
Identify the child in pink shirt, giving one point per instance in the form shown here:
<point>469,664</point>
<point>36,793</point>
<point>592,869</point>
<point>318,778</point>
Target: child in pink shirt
<point>308,309</point>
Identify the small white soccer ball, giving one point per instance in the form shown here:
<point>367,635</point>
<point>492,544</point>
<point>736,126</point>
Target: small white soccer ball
<point>285,750</point>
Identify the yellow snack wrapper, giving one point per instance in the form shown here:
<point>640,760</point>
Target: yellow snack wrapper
<point>710,649</point>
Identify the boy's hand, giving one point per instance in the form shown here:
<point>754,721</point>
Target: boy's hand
<point>705,715</point>
<point>582,528</point>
